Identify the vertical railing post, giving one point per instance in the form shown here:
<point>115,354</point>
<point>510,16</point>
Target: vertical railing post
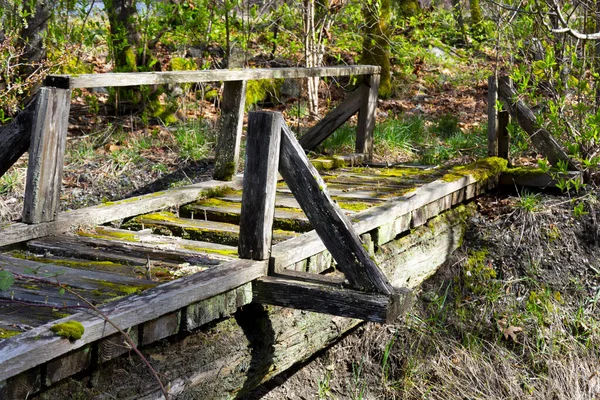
<point>230,130</point>
<point>492,129</point>
<point>366,115</point>
<point>46,155</point>
<point>503,136</point>
<point>260,183</point>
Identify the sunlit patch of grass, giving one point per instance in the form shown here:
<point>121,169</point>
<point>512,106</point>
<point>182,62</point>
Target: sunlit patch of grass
<point>12,181</point>
<point>194,139</point>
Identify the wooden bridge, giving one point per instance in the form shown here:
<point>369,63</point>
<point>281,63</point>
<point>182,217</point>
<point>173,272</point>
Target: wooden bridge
<point>345,241</point>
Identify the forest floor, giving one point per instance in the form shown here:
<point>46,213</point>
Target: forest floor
<point>514,314</point>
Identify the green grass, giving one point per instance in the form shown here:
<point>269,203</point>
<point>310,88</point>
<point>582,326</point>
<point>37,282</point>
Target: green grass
<point>11,181</point>
<point>194,140</point>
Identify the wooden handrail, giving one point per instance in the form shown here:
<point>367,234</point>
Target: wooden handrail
<point>174,77</point>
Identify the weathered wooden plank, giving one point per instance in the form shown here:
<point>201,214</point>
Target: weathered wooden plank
<point>219,232</point>
<point>535,178</point>
<point>20,318</point>
<point>15,138</point>
<point>46,155</point>
<point>173,77</point>
<point>229,212</point>
<point>332,226</point>
<point>230,130</point>
<point>68,364</point>
<point>18,232</point>
<point>216,307</point>
<point>110,250</point>
<point>492,113</point>
<point>159,243</point>
<point>330,299</point>
<point>332,121</point>
<point>22,386</point>
<point>366,116</point>
<point>503,136</point>
<point>540,137</point>
<point>161,327</point>
<point>39,345</point>
<point>260,182</point>
<point>77,278</point>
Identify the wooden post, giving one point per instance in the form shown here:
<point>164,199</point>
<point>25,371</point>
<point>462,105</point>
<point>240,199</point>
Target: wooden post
<point>46,155</point>
<point>366,116</point>
<point>331,224</point>
<point>260,183</point>
<point>492,116</point>
<point>230,126</point>
<point>503,137</point>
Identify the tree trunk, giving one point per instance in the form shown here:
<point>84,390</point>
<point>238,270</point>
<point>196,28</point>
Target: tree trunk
<point>124,37</point>
<point>310,56</point>
<point>376,46</point>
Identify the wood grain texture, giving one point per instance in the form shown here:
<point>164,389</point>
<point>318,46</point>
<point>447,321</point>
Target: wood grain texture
<point>366,115</point>
<point>260,183</point>
<point>332,121</point>
<point>492,113</point>
<point>330,299</point>
<point>46,155</point>
<point>15,137</point>
<point>297,249</point>
<point>330,223</point>
<point>86,217</point>
<point>230,130</point>
<point>40,345</point>
<point>503,136</point>
<point>173,77</point>
<point>540,137</point>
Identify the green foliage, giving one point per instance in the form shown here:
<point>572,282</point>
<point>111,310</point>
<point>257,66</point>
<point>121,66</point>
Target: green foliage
<point>194,140</point>
<point>72,330</point>
<point>7,279</point>
<point>529,202</point>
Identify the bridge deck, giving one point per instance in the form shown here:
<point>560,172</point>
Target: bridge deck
<point>175,258</point>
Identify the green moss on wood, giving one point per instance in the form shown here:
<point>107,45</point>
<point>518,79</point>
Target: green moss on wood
<point>72,330</point>
<point>480,170</point>
<point>6,333</point>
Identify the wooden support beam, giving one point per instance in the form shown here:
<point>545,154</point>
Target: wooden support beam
<point>46,155</point>
<point>15,138</point>
<point>492,116</point>
<point>260,184</point>
<point>230,127</point>
<point>540,137</point>
<point>172,77</point>
<point>332,121</point>
<point>326,298</point>
<point>331,224</point>
<point>366,115</point>
<point>503,137</point>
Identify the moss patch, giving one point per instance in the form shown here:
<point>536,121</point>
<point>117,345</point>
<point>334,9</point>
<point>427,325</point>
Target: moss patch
<point>72,330</point>
<point>481,170</point>
<point>5,333</point>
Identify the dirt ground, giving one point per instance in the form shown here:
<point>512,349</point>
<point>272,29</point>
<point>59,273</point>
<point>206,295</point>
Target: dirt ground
<point>513,314</point>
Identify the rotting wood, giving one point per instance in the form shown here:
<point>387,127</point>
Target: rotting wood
<point>366,116</point>
<point>15,137</point>
<point>173,77</point>
<point>46,155</point>
<point>332,121</point>
<point>330,223</point>
<point>71,220</point>
<point>230,130</point>
<point>540,137</point>
<point>268,340</point>
<point>492,129</point>
<point>260,184</point>
<point>39,345</point>
<point>331,299</point>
